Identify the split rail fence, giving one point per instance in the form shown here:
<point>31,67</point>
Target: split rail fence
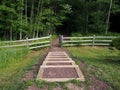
<point>30,43</point>
<point>86,41</point>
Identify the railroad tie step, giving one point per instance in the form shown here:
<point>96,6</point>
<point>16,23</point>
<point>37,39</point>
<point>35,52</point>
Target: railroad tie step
<point>60,73</point>
<point>57,67</point>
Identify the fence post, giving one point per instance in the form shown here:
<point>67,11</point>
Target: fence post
<point>27,42</point>
<point>60,40</point>
<point>93,42</point>
<point>50,41</point>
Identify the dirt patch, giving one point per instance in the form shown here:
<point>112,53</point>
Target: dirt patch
<point>60,73</point>
<point>72,86</point>
<point>31,74</point>
<point>55,46</point>
<point>34,87</point>
<point>58,88</point>
<point>98,85</point>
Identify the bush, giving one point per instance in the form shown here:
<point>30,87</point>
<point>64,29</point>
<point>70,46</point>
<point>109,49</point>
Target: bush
<point>116,43</point>
<point>76,34</point>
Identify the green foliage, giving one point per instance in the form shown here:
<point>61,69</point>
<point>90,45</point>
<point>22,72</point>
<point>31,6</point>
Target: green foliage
<point>98,25</point>
<point>41,83</point>
<point>76,34</point>
<point>77,82</point>
<point>63,85</point>
<point>100,62</point>
<point>116,43</point>
<point>34,18</point>
<point>90,16</point>
<point>54,36</point>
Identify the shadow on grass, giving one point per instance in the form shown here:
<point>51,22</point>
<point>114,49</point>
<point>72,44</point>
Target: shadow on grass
<point>112,59</point>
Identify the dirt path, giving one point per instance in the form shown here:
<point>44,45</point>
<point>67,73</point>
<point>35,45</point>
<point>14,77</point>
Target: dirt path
<point>58,66</point>
<point>55,46</point>
<point>31,75</point>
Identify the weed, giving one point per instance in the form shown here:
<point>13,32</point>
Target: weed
<point>41,83</point>
<point>52,85</point>
<point>77,82</point>
<point>63,85</point>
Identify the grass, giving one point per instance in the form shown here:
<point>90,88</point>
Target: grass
<point>13,65</point>
<point>7,56</point>
<point>43,84</point>
<point>102,62</point>
<point>52,85</point>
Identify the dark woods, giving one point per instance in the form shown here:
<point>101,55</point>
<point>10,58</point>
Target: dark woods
<point>93,17</point>
<point>34,18</point>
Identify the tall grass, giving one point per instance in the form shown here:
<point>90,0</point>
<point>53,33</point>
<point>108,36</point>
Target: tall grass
<point>102,62</point>
<point>14,63</point>
<point>8,56</point>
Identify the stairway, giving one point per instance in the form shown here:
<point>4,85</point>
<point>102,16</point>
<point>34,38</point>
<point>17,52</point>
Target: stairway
<point>59,67</point>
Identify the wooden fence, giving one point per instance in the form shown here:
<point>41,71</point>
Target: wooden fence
<point>30,43</point>
<point>88,41</point>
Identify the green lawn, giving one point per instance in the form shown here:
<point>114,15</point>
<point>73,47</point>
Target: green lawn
<point>102,62</point>
<point>13,64</point>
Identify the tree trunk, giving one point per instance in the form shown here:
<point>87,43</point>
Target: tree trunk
<point>11,31</point>
<point>21,15</point>
<point>11,34</point>
<point>31,17</point>
<point>26,11</point>
<point>39,15</point>
<point>20,35</point>
<point>37,19</point>
<point>108,17</point>
<point>86,23</point>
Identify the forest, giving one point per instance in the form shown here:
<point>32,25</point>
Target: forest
<point>35,18</point>
<point>86,54</point>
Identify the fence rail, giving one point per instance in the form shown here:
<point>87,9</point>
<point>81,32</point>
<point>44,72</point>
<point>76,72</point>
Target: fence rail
<point>88,41</point>
<point>30,43</point>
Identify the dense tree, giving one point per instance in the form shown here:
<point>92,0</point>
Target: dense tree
<point>90,16</point>
<point>33,18</point>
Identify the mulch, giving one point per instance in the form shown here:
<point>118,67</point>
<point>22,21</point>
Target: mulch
<point>60,73</point>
